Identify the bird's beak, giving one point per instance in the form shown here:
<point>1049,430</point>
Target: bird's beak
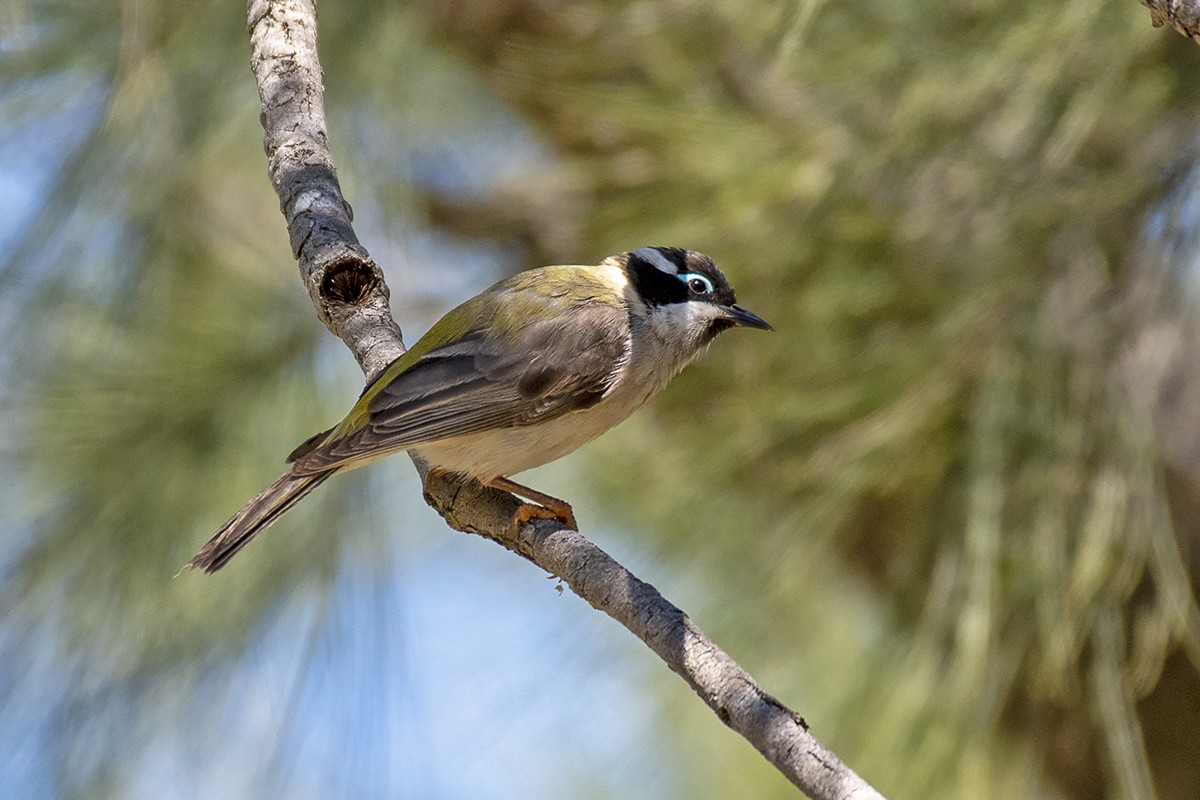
<point>740,316</point>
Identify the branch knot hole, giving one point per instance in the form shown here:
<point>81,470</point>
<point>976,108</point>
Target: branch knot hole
<point>351,282</point>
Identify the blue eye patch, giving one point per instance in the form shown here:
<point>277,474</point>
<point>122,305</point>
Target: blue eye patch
<point>697,283</point>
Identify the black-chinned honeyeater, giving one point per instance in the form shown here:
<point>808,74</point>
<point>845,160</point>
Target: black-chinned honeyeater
<point>516,377</point>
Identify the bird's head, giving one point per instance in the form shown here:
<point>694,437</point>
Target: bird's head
<point>687,297</point>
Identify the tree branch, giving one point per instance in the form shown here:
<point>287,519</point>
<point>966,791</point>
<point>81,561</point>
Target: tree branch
<point>345,285</point>
<point>776,731</point>
<point>1183,16</point>
<point>351,297</point>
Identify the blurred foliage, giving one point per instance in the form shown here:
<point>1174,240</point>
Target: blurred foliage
<point>162,359</point>
<point>941,207</point>
<point>929,511</point>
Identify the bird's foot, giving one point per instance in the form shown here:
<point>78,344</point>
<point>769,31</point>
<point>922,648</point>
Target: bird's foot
<point>543,506</point>
<point>529,511</point>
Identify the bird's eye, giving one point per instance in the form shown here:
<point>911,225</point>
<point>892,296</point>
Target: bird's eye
<point>697,283</point>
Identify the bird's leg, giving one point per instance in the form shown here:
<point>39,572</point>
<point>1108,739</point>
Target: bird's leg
<point>547,507</point>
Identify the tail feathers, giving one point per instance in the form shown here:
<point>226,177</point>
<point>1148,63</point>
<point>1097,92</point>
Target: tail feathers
<point>253,519</point>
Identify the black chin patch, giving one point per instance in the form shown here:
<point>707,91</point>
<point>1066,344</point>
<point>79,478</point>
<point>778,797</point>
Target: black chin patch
<point>715,327</point>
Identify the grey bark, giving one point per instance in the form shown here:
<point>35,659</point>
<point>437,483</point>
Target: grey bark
<point>351,297</point>
<point>346,286</point>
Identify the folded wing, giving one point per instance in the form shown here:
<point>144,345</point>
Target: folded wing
<point>487,380</point>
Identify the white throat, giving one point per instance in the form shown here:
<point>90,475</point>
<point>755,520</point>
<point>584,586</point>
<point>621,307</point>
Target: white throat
<point>678,332</point>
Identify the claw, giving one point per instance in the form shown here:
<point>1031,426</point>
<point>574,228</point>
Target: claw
<point>432,474</point>
<point>543,506</point>
<point>528,511</point>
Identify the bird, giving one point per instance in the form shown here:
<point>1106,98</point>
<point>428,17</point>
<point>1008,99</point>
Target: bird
<point>518,376</point>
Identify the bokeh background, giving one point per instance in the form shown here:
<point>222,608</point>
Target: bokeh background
<point>950,510</point>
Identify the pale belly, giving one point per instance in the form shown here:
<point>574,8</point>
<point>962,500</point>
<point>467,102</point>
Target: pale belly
<point>507,451</point>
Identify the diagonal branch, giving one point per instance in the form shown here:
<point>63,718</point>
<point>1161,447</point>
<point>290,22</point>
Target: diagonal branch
<point>351,298</point>
<point>779,733</point>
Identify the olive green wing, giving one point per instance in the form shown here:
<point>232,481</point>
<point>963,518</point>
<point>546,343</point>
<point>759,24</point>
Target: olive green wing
<point>484,380</point>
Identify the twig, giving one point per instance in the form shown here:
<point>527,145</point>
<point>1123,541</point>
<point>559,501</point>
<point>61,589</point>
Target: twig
<point>351,297</point>
<point>1182,15</point>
